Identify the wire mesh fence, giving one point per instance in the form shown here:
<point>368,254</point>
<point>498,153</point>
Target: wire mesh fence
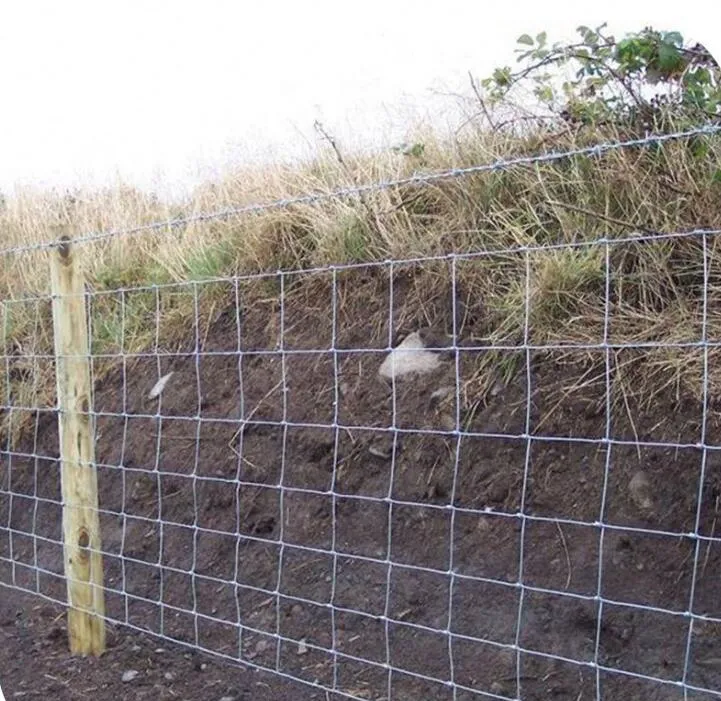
<point>378,481</point>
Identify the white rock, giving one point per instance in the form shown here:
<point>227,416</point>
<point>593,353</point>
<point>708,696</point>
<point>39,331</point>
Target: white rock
<point>640,488</point>
<point>442,392</point>
<point>159,386</point>
<point>409,357</point>
<point>129,675</point>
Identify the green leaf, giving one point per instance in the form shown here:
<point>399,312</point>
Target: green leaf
<point>502,76</point>
<point>544,93</point>
<point>589,36</point>
<point>716,177</point>
<point>699,147</point>
<point>541,38</point>
<point>525,39</point>
<point>668,57</point>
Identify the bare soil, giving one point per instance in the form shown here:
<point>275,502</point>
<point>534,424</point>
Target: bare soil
<point>288,525</point>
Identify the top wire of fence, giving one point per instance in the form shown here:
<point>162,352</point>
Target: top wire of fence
<point>595,150</point>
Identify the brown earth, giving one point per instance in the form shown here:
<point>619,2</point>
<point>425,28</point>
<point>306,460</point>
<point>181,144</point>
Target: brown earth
<point>199,537</point>
<point>34,664</point>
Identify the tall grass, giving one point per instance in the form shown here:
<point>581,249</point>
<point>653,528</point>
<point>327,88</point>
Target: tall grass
<point>656,287</point>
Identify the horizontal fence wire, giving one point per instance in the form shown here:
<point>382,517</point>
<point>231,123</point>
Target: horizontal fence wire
<point>397,263</point>
<point>498,165</point>
<point>280,491</point>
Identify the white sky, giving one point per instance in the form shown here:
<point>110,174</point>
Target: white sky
<point>153,91</point>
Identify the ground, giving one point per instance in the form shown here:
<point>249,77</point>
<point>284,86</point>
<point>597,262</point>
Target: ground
<point>34,664</point>
<point>406,540</point>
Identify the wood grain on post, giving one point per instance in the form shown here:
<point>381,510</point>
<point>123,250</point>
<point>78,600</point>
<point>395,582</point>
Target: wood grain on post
<point>81,525</point>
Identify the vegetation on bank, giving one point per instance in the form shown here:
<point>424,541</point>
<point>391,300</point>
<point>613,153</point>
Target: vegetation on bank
<point>560,97</point>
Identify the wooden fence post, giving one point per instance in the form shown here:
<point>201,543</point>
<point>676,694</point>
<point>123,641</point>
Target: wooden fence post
<point>81,524</point>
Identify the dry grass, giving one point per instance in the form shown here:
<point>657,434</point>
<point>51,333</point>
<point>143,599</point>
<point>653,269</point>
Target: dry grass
<point>656,287</point>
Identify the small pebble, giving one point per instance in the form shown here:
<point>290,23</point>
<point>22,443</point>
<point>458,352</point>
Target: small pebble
<point>159,386</point>
<point>382,448</point>
<point>448,422</point>
<point>441,393</point>
<point>169,676</point>
<point>227,698</point>
<point>496,389</point>
<point>129,675</point>
<point>640,489</point>
<point>302,647</point>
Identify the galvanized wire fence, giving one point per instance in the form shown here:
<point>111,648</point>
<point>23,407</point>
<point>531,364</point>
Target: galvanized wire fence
<point>376,509</point>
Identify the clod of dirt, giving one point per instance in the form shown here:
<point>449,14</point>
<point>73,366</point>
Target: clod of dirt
<point>55,633</point>
<point>129,675</point>
<point>409,357</point>
<point>159,386</point>
<point>263,526</point>
<point>497,491</point>
<point>497,688</point>
<point>640,490</point>
<point>447,421</point>
<point>435,491</point>
<point>497,388</point>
